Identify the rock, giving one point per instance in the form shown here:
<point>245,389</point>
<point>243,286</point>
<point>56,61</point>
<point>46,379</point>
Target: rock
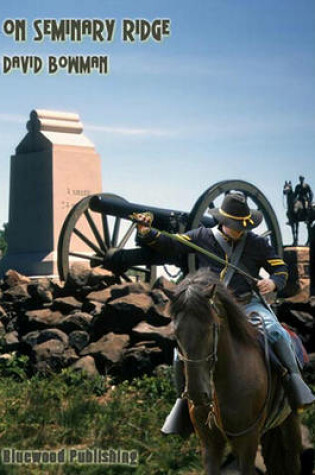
<point>159,298</point>
<point>165,285</point>
<point>10,322</point>
<point>57,287</point>
<point>164,335</point>
<point>135,303</point>
<point>16,293</point>
<point>76,321</point>
<point>7,356</point>
<point>100,276</point>
<point>40,291</point>
<point>141,360</point>
<point>66,304</point>
<point>3,313</point>
<point>52,356</point>
<point>43,282</point>
<point>78,275</point>
<point>82,277</point>
<point>129,288</point>
<point>100,296</point>
<point>13,278</point>
<point>78,340</point>
<point>86,365</point>
<point>110,347</point>
<point>158,317</point>
<point>121,315</point>
<point>118,291</point>
<point>92,308</point>
<point>46,349</point>
<point>43,318</point>
<point>12,342</point>
<point>37,337</point>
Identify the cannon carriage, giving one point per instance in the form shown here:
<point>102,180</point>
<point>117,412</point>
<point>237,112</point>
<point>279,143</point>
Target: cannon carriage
<point>100,225</point>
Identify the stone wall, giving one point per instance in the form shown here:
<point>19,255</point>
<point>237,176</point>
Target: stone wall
<point>92,322</point>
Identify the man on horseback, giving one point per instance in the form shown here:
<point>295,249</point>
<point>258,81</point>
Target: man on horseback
<point>304,193</point>
<point>234,241</point>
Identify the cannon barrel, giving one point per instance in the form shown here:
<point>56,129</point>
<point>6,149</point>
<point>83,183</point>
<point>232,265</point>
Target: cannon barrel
<point>86,237</point>
<point>167,219</point>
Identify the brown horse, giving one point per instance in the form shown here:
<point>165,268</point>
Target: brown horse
<point>227,380</point>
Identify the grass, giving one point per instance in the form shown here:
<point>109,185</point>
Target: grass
<point>69,410</point>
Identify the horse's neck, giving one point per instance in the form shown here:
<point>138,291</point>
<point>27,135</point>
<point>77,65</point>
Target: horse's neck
<point>227,351</point>
<point>290,199</point>
<point>233,356</point>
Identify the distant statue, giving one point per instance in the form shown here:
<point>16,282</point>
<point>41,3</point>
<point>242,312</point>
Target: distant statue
<point>300,207</point>
<point>303,193</point>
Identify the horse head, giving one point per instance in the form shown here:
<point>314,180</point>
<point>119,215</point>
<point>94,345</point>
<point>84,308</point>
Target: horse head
<point>287,188</point>
<point>196,329</point>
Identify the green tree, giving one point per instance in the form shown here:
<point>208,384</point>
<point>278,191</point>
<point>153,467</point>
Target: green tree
<point>3,239</point>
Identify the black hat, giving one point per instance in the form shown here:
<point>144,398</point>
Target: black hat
<point>236,214</point>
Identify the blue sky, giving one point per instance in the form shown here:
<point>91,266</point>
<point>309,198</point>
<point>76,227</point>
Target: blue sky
<point>230,94</point>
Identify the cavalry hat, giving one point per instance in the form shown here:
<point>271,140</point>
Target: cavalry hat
<point>236,214</point>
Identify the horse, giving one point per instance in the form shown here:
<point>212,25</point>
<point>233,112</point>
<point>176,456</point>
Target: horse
<point>297,213</point>
<point>227,382</point>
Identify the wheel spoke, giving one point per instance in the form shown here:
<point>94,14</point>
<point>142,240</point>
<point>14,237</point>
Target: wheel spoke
<point>87,241</point>
<point>95,231</point>
<point>86,256</point>
<point>127,236</point>
<point>116,232</point>
<point>106,230</point>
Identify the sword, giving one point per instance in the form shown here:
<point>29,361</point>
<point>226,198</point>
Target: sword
<point>201,250</point>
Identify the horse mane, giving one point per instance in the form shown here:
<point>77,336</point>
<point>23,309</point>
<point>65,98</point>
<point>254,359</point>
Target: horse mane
<point>193,294</point>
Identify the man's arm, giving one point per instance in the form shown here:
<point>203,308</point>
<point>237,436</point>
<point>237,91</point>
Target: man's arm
<point>164,244</point>
<point>274,265</point>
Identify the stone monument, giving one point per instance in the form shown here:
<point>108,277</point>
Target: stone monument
<point>55,165</point>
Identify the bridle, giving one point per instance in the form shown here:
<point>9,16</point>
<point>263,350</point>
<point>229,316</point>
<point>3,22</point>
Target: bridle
<point>213,358</point>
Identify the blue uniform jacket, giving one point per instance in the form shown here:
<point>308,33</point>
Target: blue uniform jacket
<point>257,254</point>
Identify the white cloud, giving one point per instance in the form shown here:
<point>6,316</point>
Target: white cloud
<point>129,130</point>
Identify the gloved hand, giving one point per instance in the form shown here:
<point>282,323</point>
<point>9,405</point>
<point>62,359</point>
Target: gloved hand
<point>265,286</point>
<point>147,219</point>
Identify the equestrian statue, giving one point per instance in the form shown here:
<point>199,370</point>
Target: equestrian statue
<point>300,207</point>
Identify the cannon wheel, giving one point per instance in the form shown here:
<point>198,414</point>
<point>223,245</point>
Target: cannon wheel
<point>97,234</point>
<point>254,195</point>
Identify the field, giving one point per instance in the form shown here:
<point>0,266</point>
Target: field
<point>69,411</point>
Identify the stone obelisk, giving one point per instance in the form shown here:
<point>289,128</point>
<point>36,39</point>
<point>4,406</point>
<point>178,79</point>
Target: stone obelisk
<point>55,165</point>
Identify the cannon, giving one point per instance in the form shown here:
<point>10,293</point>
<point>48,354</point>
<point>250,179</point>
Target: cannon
<point>100,225</point>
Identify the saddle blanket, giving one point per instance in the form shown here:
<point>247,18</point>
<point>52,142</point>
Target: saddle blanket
<point>279,408</point>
